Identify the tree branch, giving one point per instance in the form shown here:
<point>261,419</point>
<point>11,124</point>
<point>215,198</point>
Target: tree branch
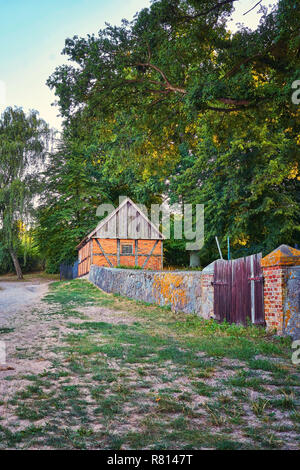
<point>233,101</point>
<point>256,5</point>
<point>239,103</point>
<point>168,88</point>
<point>226,110</point>
<point>243,62</point>
<point>149,52</point>
<point>167,85</point>
<point>206,12</point>
<point>155,102</point>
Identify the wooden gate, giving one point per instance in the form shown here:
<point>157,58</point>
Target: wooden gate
<point>238,290</point>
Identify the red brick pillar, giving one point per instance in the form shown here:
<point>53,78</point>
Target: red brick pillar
<point>274,297</point>
<point>275,267</point>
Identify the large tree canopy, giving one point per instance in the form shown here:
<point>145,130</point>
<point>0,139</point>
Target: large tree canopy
<point>196,111</point>
<point>181,52</point>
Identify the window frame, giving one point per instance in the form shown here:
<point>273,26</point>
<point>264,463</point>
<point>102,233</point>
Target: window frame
<point>126,245</point>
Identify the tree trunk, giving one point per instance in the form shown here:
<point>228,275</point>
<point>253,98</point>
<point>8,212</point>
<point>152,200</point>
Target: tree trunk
<point>16,264</point>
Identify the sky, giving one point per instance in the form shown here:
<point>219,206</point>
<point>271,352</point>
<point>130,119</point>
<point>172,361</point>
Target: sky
<point>33,33</point>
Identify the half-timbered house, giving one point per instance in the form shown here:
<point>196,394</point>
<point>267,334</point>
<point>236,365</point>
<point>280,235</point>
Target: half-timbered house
<point>126,237</point>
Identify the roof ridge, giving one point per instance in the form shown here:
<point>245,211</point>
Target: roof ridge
<point>113,213</point>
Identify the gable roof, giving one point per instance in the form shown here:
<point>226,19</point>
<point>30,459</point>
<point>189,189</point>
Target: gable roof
<point>109,217</point>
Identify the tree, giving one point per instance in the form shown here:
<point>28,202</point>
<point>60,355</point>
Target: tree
<point>84,171</point>
<point>178,57</point>
<point>23,147</point>
<point>248,181</point>
<point>176,78</point>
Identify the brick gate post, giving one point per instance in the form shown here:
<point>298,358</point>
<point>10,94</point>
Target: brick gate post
<point>278,267</point>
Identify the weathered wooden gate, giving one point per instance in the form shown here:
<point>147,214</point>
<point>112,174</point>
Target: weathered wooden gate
<point>238,290</point>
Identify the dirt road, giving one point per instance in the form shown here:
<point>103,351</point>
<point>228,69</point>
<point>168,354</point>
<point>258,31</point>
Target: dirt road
<point>16,295</point>
<point>90,370</point>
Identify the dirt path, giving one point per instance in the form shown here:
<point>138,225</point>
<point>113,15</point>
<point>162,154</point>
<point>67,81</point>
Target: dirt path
<point>14,296</point>
<point>89,370</point>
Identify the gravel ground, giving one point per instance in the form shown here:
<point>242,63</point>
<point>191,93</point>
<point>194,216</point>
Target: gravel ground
<point>14,296</point>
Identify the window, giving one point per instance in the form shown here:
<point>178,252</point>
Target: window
<point>126,249</point>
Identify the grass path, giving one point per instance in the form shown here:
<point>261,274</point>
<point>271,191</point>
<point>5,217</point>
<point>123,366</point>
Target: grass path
<point>96,371</point>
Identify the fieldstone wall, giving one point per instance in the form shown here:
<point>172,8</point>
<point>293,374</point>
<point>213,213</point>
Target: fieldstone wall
<point>193,292</point>
<point>291,323</point>
<point>185,291</point>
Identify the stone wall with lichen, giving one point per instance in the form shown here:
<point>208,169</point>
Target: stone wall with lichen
<point>185,291</point>
<point>291,322</point>
<point>193,292</point>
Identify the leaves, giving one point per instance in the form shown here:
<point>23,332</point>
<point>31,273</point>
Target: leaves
<point>174,104</point>
<point>23,149</point>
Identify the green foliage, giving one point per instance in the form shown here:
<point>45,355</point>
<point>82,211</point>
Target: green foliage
<point>23,143</point>
<point>78,179</point>
<point>174,103</point>
<point>249,184</point>
<point>175,254</point>
<point>6,264</point>
<point>211,327</point>
<point>30,258</point>
<point>123,266</point>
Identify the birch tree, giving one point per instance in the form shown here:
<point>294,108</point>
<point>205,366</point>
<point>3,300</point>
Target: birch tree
<point>23,145</point>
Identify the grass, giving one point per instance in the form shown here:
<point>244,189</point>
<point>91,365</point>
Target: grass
<point>259,406</point>
<point>145,377</point>
<point>123,266</point>
<point>4,331</point>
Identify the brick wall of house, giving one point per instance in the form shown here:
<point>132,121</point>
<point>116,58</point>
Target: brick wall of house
<point>109,246</point>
